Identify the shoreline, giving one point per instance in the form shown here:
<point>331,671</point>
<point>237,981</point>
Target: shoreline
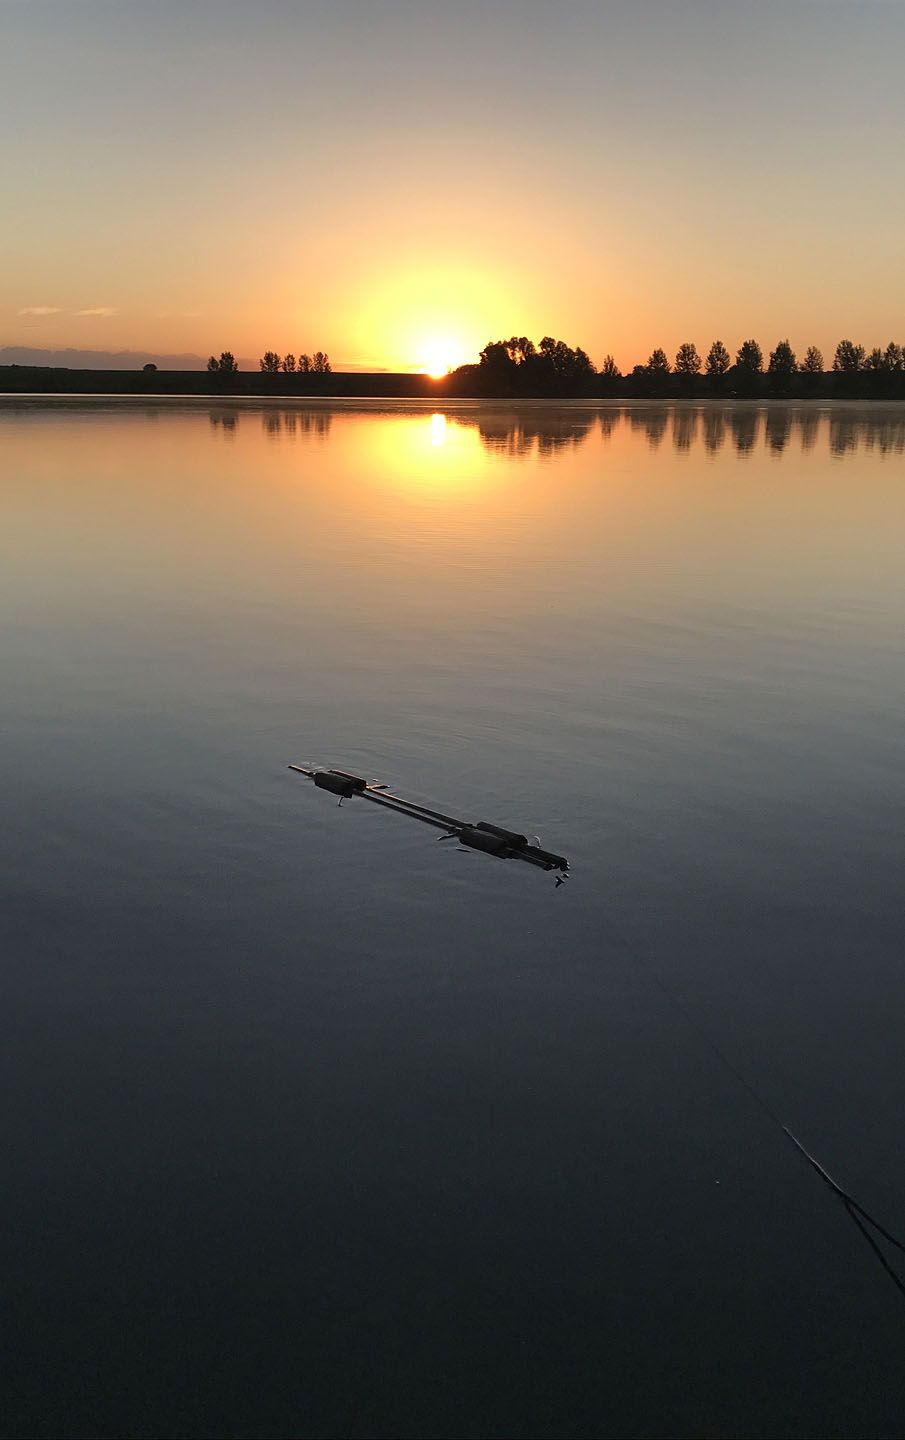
<point>36,399</point>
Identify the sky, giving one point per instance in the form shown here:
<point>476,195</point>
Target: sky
<point>397,183</point>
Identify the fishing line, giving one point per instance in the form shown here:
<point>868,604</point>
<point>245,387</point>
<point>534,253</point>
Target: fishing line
<point>507,844</point>
<point>853,1209</point>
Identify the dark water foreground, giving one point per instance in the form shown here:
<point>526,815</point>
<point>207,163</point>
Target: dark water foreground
<point>313,1127</point>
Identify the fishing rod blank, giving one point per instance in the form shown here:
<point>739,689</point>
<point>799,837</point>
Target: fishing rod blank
<point>479,835</point>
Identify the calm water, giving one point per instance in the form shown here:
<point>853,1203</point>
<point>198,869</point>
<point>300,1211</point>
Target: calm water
<point>316,1127</point>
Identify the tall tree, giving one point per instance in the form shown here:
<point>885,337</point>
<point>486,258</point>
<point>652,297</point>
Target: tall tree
<point>812,364</point>
<point>688,361</point>
<point>657,363</point>
<point>849,357</point>
<point>304,364</point>
<point>750,357</point>
<point>893,357</point>
<point>718,360</point>
<point>320,363</point>
<point>783,365</point>
<point>270,362</point>
<point>289,363</point>
<point>609,369</point>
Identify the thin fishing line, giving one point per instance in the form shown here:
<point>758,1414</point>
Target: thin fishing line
<point>852,1208</point>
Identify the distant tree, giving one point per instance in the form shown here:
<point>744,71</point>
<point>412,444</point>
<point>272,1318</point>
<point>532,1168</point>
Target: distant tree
<point>270,362</point>
<point>609,369</point>
<point>893,357</point>
<point>688,361</point>
<point>289,363</point>
<point>718,360</point>
<point>812,364</point>
<point>849,357</point>
<point>874,360</point>
<point>783,365</point>
<point>750,357</point>
<point>657,363</point>
<point>150,368</point>
<point>225,366</point>
<point>568,368</point>
<point>518,367</point>
<point>656,371</point>
<point>304,364</point>
<point>521,350</point>
<point>320,363</point>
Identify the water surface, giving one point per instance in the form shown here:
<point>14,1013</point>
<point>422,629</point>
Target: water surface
<point>317,1127</point>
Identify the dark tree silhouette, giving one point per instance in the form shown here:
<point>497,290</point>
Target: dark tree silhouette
<point>688,361</point>
<point>893,357</point>
<point>518,367</point>
<point>750,357</point>
<point>149,369</point>
<point>656,371</point>
<point>783,365</point>
<point>320,363</point>
<point>289,363</point>
<point>304,365</point>
<point>270,362</point>
<point>610,376</point>
<point>718,360</point>
<point>226,365</point>
<point>812,364</point>
<point>849,357</point>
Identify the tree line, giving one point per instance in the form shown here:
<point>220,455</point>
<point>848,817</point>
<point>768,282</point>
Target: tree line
<point>273,364</point>
<point>517,367</point>
<point>317,364</point>
<point>780,374</point>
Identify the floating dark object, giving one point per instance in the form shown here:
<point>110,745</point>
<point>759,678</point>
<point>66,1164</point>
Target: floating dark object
<point>472,835</point>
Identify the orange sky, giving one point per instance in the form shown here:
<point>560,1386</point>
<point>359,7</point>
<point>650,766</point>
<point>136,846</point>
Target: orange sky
<point>397,184</point>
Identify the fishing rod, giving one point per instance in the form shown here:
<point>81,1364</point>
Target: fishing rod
<point>471,835</point>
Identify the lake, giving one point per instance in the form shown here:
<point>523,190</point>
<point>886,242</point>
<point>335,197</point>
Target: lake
<point>317,1127</point>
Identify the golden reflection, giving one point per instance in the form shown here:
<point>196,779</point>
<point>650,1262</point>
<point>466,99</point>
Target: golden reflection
<point>425,457</point>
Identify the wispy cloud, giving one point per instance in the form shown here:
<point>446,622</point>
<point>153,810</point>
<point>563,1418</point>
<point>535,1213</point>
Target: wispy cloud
<point>102,311</point>
<point>40,310</point>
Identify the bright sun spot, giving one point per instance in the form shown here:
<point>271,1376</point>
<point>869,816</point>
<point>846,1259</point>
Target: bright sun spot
<point>440,356</point>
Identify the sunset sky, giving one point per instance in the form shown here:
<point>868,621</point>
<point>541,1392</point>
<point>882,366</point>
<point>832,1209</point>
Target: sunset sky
<point>398,182</point>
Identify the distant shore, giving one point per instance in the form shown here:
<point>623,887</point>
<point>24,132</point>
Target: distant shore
<point>190,385</point>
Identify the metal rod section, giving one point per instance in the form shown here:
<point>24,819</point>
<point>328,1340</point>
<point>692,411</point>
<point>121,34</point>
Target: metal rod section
<point>403,809</point>
<point>474,835</point>
<point>423,809</point>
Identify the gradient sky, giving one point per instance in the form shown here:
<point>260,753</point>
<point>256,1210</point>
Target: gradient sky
<point>395,181</point>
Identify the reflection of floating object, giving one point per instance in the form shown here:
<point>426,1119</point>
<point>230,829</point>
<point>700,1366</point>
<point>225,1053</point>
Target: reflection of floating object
<point>491,839</point>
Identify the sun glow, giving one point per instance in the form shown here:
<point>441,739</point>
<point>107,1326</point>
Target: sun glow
<point>442,355</point>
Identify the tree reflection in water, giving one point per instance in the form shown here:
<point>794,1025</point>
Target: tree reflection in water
<point>543,431</point>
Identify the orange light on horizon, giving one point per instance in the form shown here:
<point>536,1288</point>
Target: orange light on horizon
<point>442,355</point>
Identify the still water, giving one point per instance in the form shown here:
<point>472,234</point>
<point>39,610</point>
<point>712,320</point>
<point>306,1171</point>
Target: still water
<point>315,1126</point>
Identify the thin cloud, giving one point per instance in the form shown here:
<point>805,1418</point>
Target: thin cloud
<point>40,310</point>
<point>103,311</point>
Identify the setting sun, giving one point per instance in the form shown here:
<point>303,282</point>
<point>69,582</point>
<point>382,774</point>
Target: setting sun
<point>441,356</point>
